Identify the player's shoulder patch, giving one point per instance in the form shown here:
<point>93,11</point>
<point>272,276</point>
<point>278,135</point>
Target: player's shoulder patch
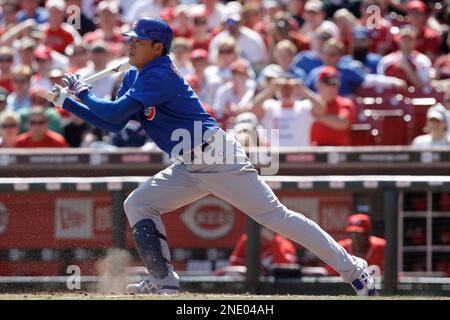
<point>150,112</point>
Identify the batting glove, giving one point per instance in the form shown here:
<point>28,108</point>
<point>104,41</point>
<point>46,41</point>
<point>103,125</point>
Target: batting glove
<point>75,84</point>
<point>59,94</point>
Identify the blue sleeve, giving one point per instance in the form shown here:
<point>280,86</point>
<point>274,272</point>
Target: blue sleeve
<point>114,112</point>
<point>311,79</point>
<point>85,113</point>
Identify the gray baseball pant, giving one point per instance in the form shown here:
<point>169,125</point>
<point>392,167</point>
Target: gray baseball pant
<point>240,185</point>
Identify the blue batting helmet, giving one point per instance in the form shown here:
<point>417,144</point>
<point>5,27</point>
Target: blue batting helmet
<point>151,29</point>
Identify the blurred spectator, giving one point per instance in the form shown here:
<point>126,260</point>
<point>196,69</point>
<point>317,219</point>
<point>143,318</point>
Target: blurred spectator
<point>232,97</point>
<point>333,127</point>
<point>108,29</point>
<point>345,21</point>
<point>3,97</point>
<point>247,131</point>
<point>428,40</point>
<point>26,52</point>
<point>58,34</point>
<point>219,71</point>
<point>295,9</point>
<point>132,136</point>
<point>437,129</point>
<point>75,131</point>
<point>180,49</point>
<point>78,54</point>
<point>267,74</point>
<point>215,11</point>
<point>251,15</point>
<point>292,117</point>
<point>99,55</point>
<point>9,129</point>
<point>362,243</point>
<point>32,10</point>
<point>360,50</point>
<point>314,15</point>
<point>207,87</point>
<point>284,54</point>
<point>37,98</point>
<point>44,64</point>
<point>19,98</point>
<point>144,8</point>
<point>442,67</point>
<point>251,45</point>
<point>351,72</point>
<point>306,61</point>
<point>282,28</point>
<point>96,138</point>
<point>379,33</point>
<point>38,134</point>
<point>407,63</point>
<point>10,8</point>
<point>182,26</point>
<point>201,37</point>
<point>86,23</point>
<point>274,249</point>
<point>6,62</point>
<point>194,82</point>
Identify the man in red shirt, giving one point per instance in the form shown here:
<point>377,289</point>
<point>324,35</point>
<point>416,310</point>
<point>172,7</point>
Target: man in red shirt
<point>58,34</point>
<point>361,243</point>
<point>274,249</point>
<point>428,40</point>
<point>333,127</point>
<point>38,134</point>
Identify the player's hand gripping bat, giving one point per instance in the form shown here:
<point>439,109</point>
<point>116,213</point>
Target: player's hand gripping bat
<point>121,66</point>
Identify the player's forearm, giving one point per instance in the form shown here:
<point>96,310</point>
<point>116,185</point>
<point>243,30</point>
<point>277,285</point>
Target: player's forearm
<point>114,112</point>
<point>86,114</point>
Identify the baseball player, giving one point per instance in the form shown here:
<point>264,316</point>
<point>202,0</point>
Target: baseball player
<point>155,94</point>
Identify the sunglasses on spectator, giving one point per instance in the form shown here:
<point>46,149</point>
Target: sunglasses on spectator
<point>200,21</point>
<point>10,125</point>
<point>226,51</point>
<point>331,81</point>
<point>37,123</point>
<point>20,80</point>
<point>324,36</point>
<point>6,59</point>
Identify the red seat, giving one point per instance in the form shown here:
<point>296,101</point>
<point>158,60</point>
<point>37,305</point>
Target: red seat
<point>362,134</point>
<point>391,124</point>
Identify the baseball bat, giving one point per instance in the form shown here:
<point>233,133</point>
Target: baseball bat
<point>121,66</point>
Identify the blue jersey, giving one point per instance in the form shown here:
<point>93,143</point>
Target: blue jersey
<point>160,100</point>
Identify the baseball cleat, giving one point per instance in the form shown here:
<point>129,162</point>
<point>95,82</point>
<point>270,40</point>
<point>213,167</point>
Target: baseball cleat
<point>151,285</point>
<point>364,283</point>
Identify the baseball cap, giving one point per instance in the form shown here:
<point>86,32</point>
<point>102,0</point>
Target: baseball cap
<point>3,94</point>
<point>58,4</point>
<point>435,112</point>
<point>359,223</point>
<point>314,5</point>
<point>55,73</point>
<point>360,32</point>
<point>232,19</point>
<point>245,121</point>
<point>198,54</point>
<point>42,53</point>
<point>111,6</point>
<point>327,73</point>
<point>272,71</point>
<point>417,6</point>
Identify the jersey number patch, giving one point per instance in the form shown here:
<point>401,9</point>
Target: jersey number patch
<point>150,113</point>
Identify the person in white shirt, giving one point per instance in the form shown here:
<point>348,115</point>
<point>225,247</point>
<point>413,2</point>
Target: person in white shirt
<point>234,96</point>
<point>144,8</point>
<point>407,63</point>
<point>99,55</point>
<point>215,11</point>
<point>287,113</point>
<point>436,127</point>
<point>250,43</point>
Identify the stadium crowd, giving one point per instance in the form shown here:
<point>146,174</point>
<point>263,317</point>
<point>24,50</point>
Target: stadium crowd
<point>297,66</point>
